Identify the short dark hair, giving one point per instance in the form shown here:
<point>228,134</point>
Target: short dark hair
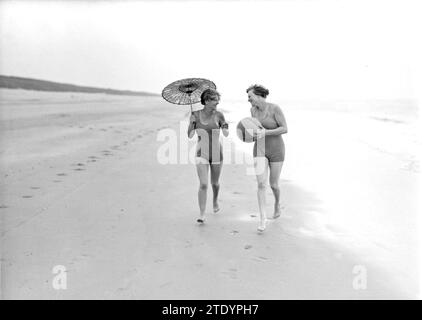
<point>208,94</point>
<point>259,90</point>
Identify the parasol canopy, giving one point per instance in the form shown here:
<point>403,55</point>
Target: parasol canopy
<point>186,91</point>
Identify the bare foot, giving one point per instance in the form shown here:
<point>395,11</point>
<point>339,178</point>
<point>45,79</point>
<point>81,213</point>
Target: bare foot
<point>262,226</point>
<point>216,208</point>
<point>201,219</point>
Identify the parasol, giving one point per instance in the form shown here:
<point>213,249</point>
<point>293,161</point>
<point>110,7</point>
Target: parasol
<point>186,91</point>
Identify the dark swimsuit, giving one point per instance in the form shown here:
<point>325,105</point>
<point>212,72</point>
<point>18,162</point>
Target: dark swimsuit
<point>274,144</point>
<point>209,146</point>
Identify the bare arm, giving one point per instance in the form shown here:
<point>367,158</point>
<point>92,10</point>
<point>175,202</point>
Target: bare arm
<point>192,126</point>
<point>252,113</point>
<point>224,125</point>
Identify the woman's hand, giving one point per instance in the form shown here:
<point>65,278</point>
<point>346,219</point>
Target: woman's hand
<point>260,133</point>
<point>192,118</point>
<point>192,126</point>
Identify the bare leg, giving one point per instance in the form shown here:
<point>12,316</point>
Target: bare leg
<point>215,176</point>
<point>202,170</point>
<point>261,178</point>
<point>275,170</point>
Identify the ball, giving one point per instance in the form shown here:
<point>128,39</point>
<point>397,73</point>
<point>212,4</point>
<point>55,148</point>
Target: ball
<point>247,129</point>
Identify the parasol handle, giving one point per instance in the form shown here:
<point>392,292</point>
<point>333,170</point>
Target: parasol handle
<point>190,99</point>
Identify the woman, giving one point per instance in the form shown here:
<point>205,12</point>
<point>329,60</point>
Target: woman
<point>268,150</point>
<point>207,123</point>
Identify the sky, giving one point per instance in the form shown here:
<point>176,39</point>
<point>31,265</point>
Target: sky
<point>305,49</point>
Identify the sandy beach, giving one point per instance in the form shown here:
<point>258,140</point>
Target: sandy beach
<point>81,187</point>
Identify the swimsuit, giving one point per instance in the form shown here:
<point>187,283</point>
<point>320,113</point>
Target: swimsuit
<point>274,145</point>
<point>209,147</point>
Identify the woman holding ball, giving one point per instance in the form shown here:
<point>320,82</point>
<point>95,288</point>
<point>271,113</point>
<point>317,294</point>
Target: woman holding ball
<point>268,149</point>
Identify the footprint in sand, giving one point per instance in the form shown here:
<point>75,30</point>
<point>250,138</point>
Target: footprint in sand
<point>103,129</point>
<point>92,159</point>
<point>236,192</point>
<point>234,232</point>
<point>260,259</point>
<point>232,273</point>
<point>35,188</point>
<point>61,174</point>
<point>248,246</point>
<point>79,169</point>
<point>3,206</point>
<point>139,136</point>
<point>26,196</point>
<point>77,164</point>
<point>253,215</point>
<point>107,153</point>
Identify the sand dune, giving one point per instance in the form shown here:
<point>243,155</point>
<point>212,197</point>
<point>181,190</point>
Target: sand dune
<point>11,82</point>
<point>81,187</point>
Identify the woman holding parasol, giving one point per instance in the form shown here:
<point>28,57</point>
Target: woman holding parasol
<point>207,123</point>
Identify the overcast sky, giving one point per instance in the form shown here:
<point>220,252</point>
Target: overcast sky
<point>298,49</point>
